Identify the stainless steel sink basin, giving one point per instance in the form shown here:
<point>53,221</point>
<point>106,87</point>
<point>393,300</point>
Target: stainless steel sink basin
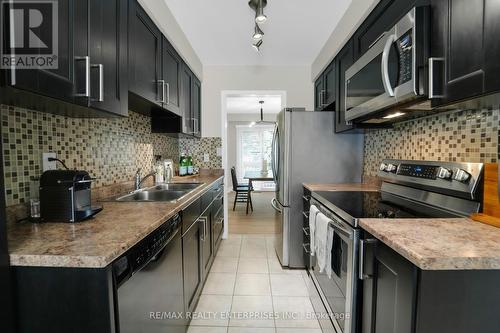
<point>176,186</point>
<point>170,192</point>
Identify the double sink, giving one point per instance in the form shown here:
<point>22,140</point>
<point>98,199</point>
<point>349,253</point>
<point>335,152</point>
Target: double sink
<point>169,192</point>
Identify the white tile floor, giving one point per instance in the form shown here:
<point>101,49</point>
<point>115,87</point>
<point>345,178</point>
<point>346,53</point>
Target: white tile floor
<point>248,283</point>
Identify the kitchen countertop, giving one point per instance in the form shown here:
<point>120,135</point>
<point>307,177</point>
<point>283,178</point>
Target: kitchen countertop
<point>432,244</point>
<point>341,187</point>
<point>95,243</point>
<point>440,244</point>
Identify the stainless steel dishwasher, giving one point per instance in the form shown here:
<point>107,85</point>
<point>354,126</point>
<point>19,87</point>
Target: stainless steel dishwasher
<point>149,287</point>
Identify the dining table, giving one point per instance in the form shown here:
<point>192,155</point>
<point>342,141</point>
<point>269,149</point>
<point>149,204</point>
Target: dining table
<point>260,176</point>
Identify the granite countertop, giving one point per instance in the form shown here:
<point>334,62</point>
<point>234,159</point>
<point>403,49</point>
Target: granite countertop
<point>341,187</point>
<point>430,243</point>
<point>440,244</point>
<point>95,243</point>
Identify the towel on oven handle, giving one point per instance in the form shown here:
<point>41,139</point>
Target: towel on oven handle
<point>313,212</point>
<point>321,241</point>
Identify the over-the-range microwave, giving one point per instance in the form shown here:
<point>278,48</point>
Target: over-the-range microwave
<point>391,73</point>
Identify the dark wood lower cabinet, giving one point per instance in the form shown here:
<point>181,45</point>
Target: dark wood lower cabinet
<point>401,298</point>
<point>192,265</point>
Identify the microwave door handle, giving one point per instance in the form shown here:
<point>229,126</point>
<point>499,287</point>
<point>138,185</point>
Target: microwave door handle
<point>385,65</point>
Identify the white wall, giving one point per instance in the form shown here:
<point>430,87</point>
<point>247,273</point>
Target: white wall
<point>355,15</point>
<point>295,80</point>
<point>162,16</point>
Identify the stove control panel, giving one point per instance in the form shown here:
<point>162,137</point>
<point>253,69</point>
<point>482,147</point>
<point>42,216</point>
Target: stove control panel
<point>456,178</point>
<point>419,171</point>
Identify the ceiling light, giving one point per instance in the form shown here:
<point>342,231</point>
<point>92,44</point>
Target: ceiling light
<point>394,115</point>
<point>259,13</point>
<point>257,45</point>
<point>258,33</point>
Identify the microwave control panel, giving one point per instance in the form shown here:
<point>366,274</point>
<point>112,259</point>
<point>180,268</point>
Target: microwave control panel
<point>405,50</point>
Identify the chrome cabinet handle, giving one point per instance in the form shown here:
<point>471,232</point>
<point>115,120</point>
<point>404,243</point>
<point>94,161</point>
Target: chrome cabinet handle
<point>322,97</point>
<point>361,268</point>
<point>168,93</point>
<point>87,76</point>
<point>385,65</point>
<point>306,250</point>
<point>196,130</point>
<point>100,67</point>
<point>431,78</point>
<point>273,203</point>
<point>162,88</point>
<point>204,221</point>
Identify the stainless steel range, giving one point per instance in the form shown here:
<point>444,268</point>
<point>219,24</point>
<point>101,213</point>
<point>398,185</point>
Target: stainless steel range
<point>410,189</point>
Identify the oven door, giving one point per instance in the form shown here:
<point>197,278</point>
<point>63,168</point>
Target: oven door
<point>386,75</point>
<point>339,293</point>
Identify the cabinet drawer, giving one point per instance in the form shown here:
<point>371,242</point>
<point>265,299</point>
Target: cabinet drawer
<point>191,214</point>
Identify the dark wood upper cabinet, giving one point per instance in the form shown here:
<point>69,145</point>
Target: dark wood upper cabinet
<point>318,93</point>
<point>330,84</point>
<point>196,107</point>
<point>343,61</point>
<point>56,83</point>
<point>324,89</point>
<point>145,56</point>
<point>186,97</point>
<point>492,45</point>
<point>171,74</point>
<point>102,39</point>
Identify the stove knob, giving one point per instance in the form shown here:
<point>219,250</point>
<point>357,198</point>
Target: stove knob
<point>461,175</point>
<point>391,168</point>
<point>444,173</point>
<point>383,166</point>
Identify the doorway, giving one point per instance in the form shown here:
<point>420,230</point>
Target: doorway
<point>246,145</point>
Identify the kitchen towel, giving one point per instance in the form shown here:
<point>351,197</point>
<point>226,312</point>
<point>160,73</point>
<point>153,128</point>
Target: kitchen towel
<point>313,212</point>
<point>329,249</point>
<point>320,239</point>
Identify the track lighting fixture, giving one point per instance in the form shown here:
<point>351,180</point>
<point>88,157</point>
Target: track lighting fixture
<point>258,33</point>
<point>257,45</point>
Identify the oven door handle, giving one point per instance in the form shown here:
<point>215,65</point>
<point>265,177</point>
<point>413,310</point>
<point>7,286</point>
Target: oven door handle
<point>385,65</point>
<point>361,268</point>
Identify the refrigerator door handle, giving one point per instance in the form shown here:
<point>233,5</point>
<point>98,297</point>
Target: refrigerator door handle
<point>273,154</point>
<point>275,206</point>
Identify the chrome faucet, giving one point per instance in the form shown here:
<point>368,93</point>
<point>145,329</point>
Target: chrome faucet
<point>139,180</point>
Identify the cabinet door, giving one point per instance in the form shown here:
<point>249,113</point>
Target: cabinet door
<point>381,19</point>
<point>206,241</point>
<point>344,60</point>
<point>186,110</point>
<point>389,297</point>
<point>57,83</point>
<point>319,93</point>
<point>196,106</point>
<point>458,39</point>
<point>330,84</point>
<point>145,55</point>
<point>171,73</point>
<point>192,267</point>
<point>491,45</point>
<point>108,56</point>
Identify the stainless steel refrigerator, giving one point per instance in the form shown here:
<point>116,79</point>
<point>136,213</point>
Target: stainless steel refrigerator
<point>307,150</point>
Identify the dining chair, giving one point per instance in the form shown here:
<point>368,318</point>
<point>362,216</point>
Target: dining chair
<point>243,192</point>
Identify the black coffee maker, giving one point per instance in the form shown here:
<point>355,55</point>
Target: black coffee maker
<point>65,196</point>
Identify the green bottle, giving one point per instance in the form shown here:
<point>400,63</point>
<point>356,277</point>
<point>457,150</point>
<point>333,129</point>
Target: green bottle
<point>183,165</point>
<point>190,165</point>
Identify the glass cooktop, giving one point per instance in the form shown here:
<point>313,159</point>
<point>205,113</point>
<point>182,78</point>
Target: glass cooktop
<point>364,204</point>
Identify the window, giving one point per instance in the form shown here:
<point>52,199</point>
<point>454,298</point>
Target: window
<point>254,152</point>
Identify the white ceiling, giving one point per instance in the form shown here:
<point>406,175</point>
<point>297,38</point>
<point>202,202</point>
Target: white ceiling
<point>220,31</point>
<point>248,104</point>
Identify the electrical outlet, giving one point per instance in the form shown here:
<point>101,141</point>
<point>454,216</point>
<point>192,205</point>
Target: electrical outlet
<point>206,157</point>
<point>46,165</point>
<point>219,151</point>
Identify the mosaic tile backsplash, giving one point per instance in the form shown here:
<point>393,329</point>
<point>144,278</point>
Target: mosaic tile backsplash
<point>463,136</point>
<point>109,149</point>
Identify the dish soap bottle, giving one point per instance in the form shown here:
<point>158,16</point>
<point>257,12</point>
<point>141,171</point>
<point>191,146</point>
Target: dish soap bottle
<point>183,165</point>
